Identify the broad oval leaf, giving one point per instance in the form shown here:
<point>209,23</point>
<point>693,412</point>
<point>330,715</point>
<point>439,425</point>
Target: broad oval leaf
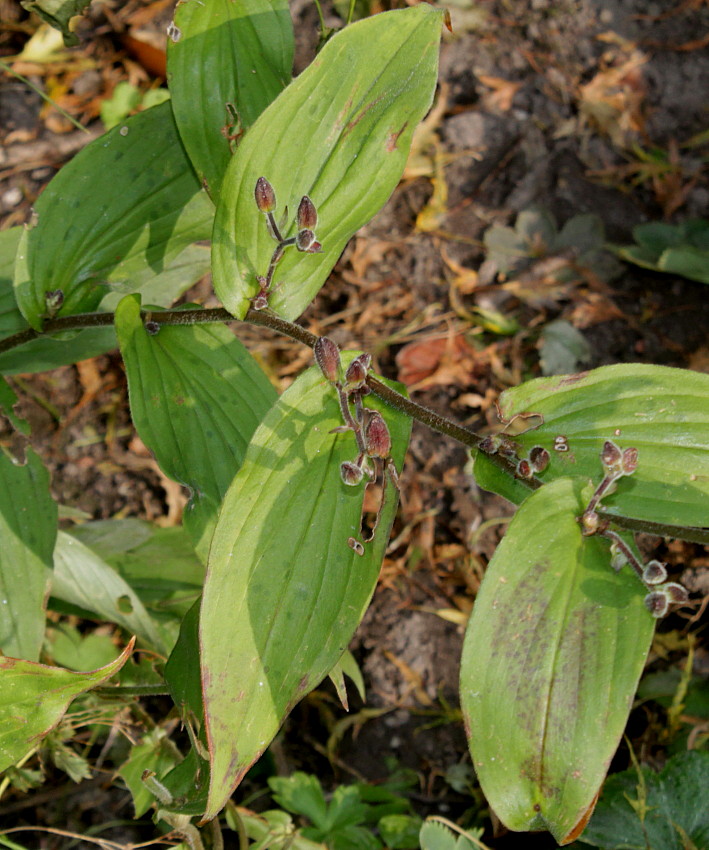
<point>284,591</point>
<point>661,411</point>
<point>222,56</point>
<point>34,697</point>
<point>129,201</point>
<point>196,397</point>
<point>340,133</point>
<point>552,656</point>
<point>28,529</point>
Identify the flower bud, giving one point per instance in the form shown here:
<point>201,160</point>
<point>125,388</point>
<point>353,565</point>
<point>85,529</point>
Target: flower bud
<point>654,573</point>
<point>618,557</point>
<point>327,356</point>
<point>315,248</point>
<point>657,603</point>
<point>304,240</point>
<point>356,373</point>
<point>377,439</point>
<point>678,594</point>
<point>524,469</point>
<point>611,458</point>
<point>152,327</point>
<point>307,216</point>
<point>629,462</point>
<point>539,459</point>
<point>351,473</point>
<point>265,196</point>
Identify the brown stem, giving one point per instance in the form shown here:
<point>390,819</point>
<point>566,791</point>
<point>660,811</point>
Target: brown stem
<point>416,411</point>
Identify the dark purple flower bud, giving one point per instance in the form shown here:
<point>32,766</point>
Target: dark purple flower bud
<point>315,248</point>
<point>304,240</point>
<point>524,469</point>
<point>629,462</point>
<point>611,457</point>
<point>678,594</point>
<point>490,444</point>
<point>152,327</point>
<point>376,436</point>
<point>260,302</point>
<point>307,216</point>
<point>351,473</point>
<point>654,573</point>
<point>265,196</point>
<point>327,356</point>
<point>539,458</point>
<point>356,373</point>
<point>657,603</point>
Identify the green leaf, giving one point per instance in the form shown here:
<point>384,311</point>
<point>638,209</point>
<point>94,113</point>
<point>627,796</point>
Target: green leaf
<point>69,648</point>
<point>128,203</point>
<point>8,400</point>
<point>674,802</point>
<point>400,832</point>
<point>562,348</point>
<point>552,656</point>
<point>302,794</point>
<point>58,13</point>
<point>81,578</point>
<point>491,477</point>
<point>11,320</point>
<point>181,673</point>
<point>688,261</point>
<point>280,565</point>
<point>34,697</point>
<point>158,563</point>
<point>118,107</point>
<point>340,133</point>
<point>226,54</point>
<point>196,397</point>
<point>663,412</point>
<point>161,289</point>
<point>28,528</point>
<point>155,753</point>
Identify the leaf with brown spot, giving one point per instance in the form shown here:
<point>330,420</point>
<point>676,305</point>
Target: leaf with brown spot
<point>553,653</point>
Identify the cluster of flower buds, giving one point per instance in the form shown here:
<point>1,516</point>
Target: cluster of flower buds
<point>304,240</point>
<point>536,462</point>
<point>616,463</point>
<point>368,426</point>
<point>662,593</point>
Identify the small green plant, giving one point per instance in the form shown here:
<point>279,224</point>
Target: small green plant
<point>253,601</point>
<point>681,249</point>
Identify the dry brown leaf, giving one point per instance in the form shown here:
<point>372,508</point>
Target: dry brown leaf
<point>502,94</point>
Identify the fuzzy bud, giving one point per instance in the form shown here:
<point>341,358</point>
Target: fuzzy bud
<point>611,458</point>
<point>315,248</point>
<point>351,473</point>
<point>629,462</point>
<point>260,302</point>
<point>657,603</point>
<point>152,328</point>
<point>376,436</point>
<point>307,216</point>
<point>524,469</point>
<point>590,523</point>
<point>489,445</point>
<point>539,459</point>
<point>265,196</point>
<point>327,356</point>
<point>304,240</point>
<point>356,373</point>
<point>618,558</point>
<point>654,573</point>
<point>678,595</point>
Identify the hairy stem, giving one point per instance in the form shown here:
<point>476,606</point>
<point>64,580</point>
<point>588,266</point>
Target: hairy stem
<point>416,411</point>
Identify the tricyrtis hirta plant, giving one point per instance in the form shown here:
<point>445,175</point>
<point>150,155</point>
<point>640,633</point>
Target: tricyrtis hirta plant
<point>276,558</point>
